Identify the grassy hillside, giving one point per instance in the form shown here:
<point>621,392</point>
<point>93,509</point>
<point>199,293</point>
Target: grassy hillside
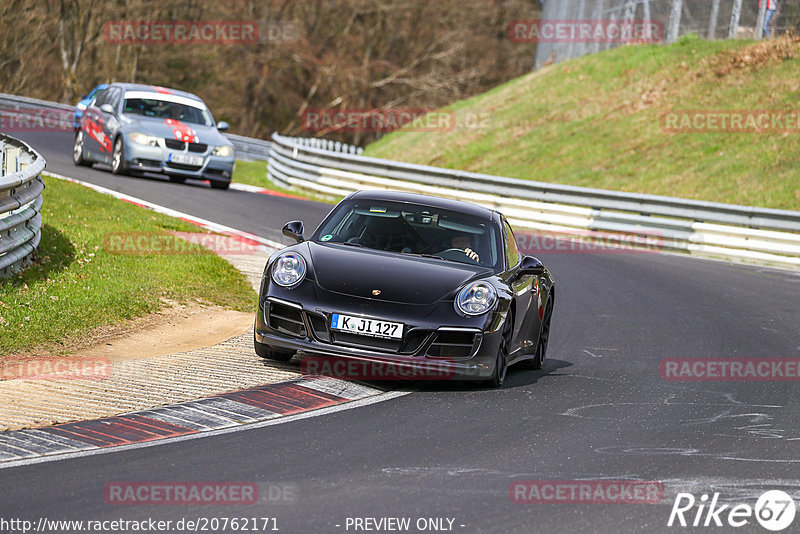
<point>597,122</point>
<point>78,283</point>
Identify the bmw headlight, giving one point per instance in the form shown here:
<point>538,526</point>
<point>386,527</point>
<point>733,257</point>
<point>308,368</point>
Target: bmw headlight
<point>289,269</point>
<point>477,298</point>
<point>143,139</point>
<point>223,151</point>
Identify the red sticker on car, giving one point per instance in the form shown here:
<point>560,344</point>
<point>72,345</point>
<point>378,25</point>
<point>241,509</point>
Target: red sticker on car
<point>95,131</point>
<point>181,131</point>
<point>162,90</point>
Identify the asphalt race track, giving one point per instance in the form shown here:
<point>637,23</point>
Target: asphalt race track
<point>598,410</point>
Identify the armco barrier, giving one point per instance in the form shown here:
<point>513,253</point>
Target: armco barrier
<point>20,204</point>
<point>704,228</point>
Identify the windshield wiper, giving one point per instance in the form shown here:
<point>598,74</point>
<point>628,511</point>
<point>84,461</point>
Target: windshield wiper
<point>347,244</point>
<point>432,256</point>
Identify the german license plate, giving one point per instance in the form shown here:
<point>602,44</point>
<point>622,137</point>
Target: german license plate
<point>366,327</point>
<point>185,159</point>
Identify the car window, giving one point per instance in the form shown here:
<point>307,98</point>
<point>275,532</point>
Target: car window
<point>114,98</point>
<point>161,109</point>
<point>512,253</point>
<point>102,97</point>
<point>415,229</point>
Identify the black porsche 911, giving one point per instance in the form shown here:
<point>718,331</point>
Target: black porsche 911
<point>409,281</point>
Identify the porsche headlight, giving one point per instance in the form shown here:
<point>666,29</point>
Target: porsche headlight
<point>81,106</point>
<point>143,139</point>
<point>477,298</point>
<point>289,269</point>
<point>223,151</point>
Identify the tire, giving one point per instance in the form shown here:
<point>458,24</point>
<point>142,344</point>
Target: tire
<point>220,185</point>
<point>544,337</point>
<point>271,354</point>
<point>77,151</point>
<point>118,164</point>
<point>501,365</point>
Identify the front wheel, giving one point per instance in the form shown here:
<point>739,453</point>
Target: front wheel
<point>544,337</point>
<point>501,366</point>
<point>118,164</point>
<point>77,151</point>
<point>266,352</point>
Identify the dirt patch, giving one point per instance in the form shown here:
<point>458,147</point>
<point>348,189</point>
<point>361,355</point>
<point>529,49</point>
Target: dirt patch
<point>755,56</point>
<point>174,328</point>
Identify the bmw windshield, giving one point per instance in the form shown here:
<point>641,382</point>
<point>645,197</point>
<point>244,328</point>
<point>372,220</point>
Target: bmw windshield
<point>164,109</point>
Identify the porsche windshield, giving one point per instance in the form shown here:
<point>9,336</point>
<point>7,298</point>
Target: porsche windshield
<point>414,229</point>
<point>161,109</point>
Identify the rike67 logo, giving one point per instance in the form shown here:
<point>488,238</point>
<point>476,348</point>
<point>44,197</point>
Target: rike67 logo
<point>774,510</point>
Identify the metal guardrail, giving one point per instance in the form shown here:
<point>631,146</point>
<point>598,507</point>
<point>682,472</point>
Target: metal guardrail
<point>247,148</point>
<point>706,228</point>
<point>20,204</point>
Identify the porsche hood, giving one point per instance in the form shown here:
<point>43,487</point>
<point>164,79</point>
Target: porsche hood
<point>360,273</point>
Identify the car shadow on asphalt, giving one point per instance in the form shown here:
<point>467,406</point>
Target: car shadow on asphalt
<point>517,377</point>
<point>153,177</point>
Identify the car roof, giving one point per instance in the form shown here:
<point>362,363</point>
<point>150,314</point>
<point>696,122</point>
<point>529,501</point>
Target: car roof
<point>426,200</point>
<point>155,89</point>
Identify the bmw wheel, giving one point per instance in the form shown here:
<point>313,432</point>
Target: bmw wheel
<point>77,151</point>
<point>118,164</point>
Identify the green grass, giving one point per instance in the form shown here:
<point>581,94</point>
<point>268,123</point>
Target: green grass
<point>255,173</point>
<point>596,122</point>
<point>77,284</point>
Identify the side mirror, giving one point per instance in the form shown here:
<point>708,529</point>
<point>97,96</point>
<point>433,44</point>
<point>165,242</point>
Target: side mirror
<point>530,265</point>
<point>294,230</point>
<point>106,108</point>
<point>223,126</point>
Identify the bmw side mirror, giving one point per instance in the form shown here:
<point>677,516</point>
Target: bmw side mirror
<point>223,126</point>
<point>531,265</point>
<point>294,230</point>
<point>106,108</point>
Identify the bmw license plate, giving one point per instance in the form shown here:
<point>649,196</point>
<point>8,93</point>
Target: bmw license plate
<point>366,327</point>
<point>185,159</point>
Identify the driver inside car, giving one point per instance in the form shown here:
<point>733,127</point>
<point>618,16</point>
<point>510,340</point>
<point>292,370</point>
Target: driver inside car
<point>464,242</point>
